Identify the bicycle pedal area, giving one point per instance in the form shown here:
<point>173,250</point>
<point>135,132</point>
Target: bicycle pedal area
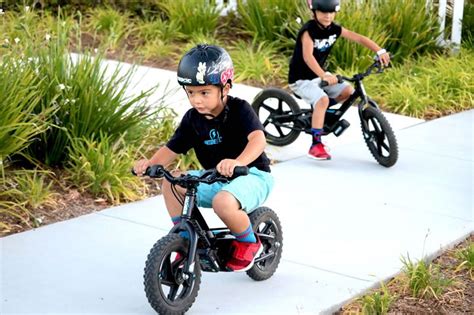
<point>346,223</point>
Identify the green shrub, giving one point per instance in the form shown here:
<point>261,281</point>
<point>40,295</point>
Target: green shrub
<point>271,20</point>
<point>20,95</point>
<point>427,88</point>
<point>258,62</point>
<point>377,303</point>
<point>102,165</point>
<point>90,99</point>
<point>111,25</point>
<point>466,257</point>
<point>158,29</point>
<point>424,279</point>
<point>33,188</point>
<point>412,30</point>
<point>192,16</point>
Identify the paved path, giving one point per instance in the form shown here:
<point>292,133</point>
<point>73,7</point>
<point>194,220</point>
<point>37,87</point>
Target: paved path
<point>346,224</point>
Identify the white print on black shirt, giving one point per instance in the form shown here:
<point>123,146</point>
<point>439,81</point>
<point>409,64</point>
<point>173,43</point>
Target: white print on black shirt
<point>324,44</point>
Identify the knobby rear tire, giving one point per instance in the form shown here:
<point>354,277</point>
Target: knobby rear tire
<point>265,221</point>
<point>265,103</point>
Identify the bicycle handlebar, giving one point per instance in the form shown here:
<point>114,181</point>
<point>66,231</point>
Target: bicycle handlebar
<point>208,177</point>
<point>359,76</point>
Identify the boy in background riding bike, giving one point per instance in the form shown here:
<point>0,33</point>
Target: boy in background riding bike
<point>224,132</point>
<point>307,66</point>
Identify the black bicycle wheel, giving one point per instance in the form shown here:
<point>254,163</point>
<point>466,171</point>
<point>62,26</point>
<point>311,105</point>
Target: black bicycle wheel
<point>168,289</point>
<point>379,136</point>
<point>270,105</point>
<point>267,225</point>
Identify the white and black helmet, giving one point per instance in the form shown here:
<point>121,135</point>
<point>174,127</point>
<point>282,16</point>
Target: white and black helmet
<point>206,65</point>
<point>324,5</point>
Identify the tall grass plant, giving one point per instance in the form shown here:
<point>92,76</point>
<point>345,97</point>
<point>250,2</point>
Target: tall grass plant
<point>192,16</point>
<point>102,166</point>
<point>427,88</point>
<point>258,62</point>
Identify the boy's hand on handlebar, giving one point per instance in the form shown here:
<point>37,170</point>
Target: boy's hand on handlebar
<point>385,59</point>
<point>226,167</point>
<point>330,79</point>
<point>141,166</point>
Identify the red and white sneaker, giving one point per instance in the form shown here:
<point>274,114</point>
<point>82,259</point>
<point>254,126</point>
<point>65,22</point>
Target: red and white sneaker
<point>318,152</point>
<point>244,255</point>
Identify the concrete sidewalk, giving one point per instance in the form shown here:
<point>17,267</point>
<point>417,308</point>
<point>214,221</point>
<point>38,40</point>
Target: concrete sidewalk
<point>346,223</point>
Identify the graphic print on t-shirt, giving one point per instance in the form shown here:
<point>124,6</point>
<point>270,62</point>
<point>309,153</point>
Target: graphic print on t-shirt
<point>215,138</point>
<point>325,44</point>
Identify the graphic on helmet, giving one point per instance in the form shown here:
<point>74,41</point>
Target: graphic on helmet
<point>206,65</point>
<point>324,5</point>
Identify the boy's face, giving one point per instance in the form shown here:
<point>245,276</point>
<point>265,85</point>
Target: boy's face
<point>325,18</point>
<point>207,99</point>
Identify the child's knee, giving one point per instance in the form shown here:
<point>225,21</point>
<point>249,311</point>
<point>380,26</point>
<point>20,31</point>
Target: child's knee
<point>223,202</point>
<point>322,102</point>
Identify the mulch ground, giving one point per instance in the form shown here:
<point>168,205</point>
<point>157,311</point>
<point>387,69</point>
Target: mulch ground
<point>458,298</point>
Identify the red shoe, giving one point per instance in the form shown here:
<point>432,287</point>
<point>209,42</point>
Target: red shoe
<point>244,255</point>
<point>318,152</point>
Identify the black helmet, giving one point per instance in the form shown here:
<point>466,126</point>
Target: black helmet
<point>206,65</point>
<point>324,5</point>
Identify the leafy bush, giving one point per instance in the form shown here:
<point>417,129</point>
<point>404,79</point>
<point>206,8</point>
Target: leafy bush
<point>102,166</point>
<point>192,16</point>
<point>428,87</point>
<point>90,100</point>
<point>110,24</point>
<point>20,95</point>
<point>33,188</point>
<point>271,20</point>
<point>258,62</point>
<point>412,29</point>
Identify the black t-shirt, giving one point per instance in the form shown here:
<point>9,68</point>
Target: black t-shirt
<point>223,137</point>
<point>323,40</point>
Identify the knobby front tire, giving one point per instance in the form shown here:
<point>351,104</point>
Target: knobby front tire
<point>165,286</point>
<point>379,136</point>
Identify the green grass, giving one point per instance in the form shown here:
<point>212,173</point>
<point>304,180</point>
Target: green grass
<point>103,166</point>
<point>112,26</point>
<point>33,188</point>
<point>191,16</point>
<point>258,62</point>
<point>466,258</point>
<point>427,88</point>
<point>377,302</point>
<point>424,279</point>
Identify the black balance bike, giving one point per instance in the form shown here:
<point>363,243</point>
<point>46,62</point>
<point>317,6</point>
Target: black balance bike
<point>283,119</point>
<point>173,267</point>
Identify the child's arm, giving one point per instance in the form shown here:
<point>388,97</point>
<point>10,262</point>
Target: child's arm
<point>164,156</point>
<point>252,150</point>
<point>312,62</point>
<point>367,42</point>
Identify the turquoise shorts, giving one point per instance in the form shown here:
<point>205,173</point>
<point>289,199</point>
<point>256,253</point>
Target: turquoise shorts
<point>251,190</point>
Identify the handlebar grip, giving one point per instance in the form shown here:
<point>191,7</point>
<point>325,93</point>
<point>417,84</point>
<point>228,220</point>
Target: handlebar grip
<point>155,171</point>
<point>240,170</point>
<point>339,77</point>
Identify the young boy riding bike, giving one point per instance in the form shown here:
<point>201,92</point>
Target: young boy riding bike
<point>307,66</point>
<point>224,132</point>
